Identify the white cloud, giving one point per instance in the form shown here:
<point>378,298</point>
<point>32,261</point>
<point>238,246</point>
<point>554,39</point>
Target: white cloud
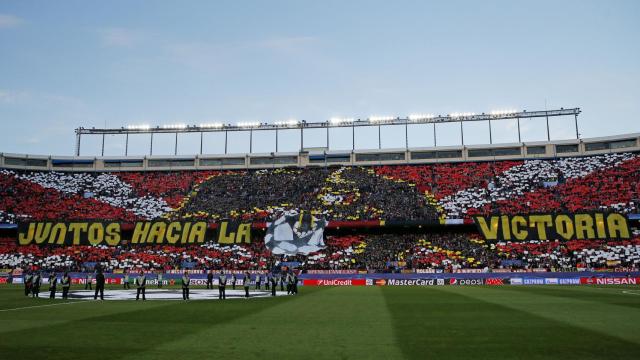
<point>119,37</point>
<point>10,21</point>
<point>11,96</point>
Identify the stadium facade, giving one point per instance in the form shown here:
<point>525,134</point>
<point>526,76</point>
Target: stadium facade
<point>443,154</point>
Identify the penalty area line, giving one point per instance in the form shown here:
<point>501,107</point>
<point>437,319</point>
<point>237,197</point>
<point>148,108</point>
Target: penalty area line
<point>39,306</point>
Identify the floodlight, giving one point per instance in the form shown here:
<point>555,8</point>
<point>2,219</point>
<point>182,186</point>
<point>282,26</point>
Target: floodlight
<point>290,122</point>
<point>138,127</point>
<point>417,117</point>
<point>337,120</point>
<point>377,119</point>
<point>211,125</point>
<point>248,124</point>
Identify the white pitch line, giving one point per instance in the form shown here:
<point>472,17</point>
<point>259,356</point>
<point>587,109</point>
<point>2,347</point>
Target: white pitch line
<point>38,306</point>
<point>630,292</point>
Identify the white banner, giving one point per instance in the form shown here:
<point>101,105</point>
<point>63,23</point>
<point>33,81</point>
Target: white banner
<point>295,233</point>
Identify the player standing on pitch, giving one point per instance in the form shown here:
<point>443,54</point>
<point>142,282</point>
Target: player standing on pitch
<point>88,280</point>
<point>222,284</point>
<point>295,283</point>
<point>126,280</point>
<point>53,282</point>
<point>258,281</point>
<point>141,283</point>
<point>99,285</point>
<point>27,283</point>
<point>245,282</point>
<point>185,286</point>
<point>273,285</point>
<point>66,283</point>
<point>289,280</point>
<point>210,279</point>
<point>36,281</point>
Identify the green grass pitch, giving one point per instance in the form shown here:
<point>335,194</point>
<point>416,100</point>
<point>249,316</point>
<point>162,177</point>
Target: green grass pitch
<point>527,322</point>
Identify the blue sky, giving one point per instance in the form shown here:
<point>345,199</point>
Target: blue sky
<point>64,64</point>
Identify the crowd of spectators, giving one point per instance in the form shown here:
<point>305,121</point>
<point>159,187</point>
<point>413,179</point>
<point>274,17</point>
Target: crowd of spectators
<point>171,186</point>
<point>345,193</point>
<point>577,254</point>
<point>80,258</point>
<point>21,199</point>
<point>400,192</point>
<point>444,251</point>
<point>612,188</point>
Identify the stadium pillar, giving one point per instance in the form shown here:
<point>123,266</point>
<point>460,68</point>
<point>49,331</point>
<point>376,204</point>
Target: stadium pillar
<point>251,141</point>
<point>435,143</point>
<point>225,141</point>
<point>201,134</point>
<point>577,133</point>
<point>78,135</point>
<point>126,145</point>
<point>379,138</point>
<point>327,137</point>
<point>102,151</point>
<point>175,147</point>
<point>490,135</point>
<point>461,133</point>
<point>406,135</point>
<point>548,134</point>
<point>301,139</point>
<point>519,139</point>
<point>151,145</point>
<point>353,137</point>
<point>276,140</point>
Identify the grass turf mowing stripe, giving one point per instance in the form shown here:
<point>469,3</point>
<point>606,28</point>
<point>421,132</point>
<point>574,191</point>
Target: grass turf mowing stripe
<point>319,323</point>
<point>605,295</point>
<point>460,323</point>
<point>39,306</point>
<point>109,330</point>
<point>605,318</point>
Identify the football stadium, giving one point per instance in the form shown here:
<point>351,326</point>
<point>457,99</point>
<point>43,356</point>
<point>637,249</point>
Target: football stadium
<point>506,233</point>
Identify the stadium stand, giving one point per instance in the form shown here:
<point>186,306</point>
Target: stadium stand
<point>448,252</point>
<point>430,193</point>
<point>415,192</point>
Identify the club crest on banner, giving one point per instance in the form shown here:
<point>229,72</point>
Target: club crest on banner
<point>295,232</point>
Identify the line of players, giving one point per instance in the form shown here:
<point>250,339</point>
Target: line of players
<point>271,282</point>
<point>33,281</point>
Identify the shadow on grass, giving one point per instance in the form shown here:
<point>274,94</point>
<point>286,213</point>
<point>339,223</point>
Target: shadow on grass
<point>134,328</point>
